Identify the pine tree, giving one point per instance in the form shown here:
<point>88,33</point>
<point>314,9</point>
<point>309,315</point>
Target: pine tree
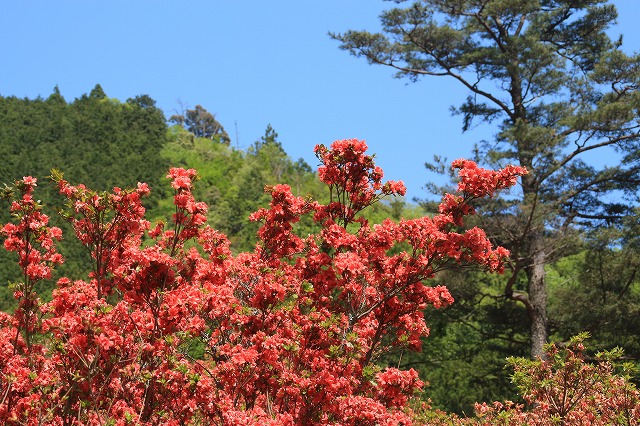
<point>559,88</point>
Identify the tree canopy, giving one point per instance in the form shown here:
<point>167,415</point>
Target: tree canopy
<point>201,123</point>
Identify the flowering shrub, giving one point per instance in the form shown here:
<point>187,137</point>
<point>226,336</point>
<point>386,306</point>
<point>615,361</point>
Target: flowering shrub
<point>567,389</point>
<point>564,389</point>
<point>170,328</point>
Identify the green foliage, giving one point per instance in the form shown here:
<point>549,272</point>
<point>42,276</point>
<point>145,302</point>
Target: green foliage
<point>598,290</point>
<point>233,181</point>
<point>103,141</point>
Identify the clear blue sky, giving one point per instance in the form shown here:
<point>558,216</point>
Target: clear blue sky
<point>252,63</point>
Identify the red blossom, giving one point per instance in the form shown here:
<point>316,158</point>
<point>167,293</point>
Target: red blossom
<point>479,182</point>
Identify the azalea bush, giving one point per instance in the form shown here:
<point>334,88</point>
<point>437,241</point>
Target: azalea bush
<point>170,328</point>
<point>567,388</point>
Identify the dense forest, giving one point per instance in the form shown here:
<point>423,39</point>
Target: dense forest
<point>593,285</point>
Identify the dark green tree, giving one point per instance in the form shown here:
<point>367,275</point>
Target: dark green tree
<point>201,123</point>
<point>559,88</point>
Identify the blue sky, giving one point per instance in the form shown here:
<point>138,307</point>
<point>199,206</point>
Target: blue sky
<point>252,63</point>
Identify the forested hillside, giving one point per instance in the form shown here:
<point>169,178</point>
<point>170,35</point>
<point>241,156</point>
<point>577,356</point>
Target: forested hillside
<point>593,286</point>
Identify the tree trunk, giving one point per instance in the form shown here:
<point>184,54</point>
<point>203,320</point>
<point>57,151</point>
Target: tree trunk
<point>534,256</point>
<point>537,296</point>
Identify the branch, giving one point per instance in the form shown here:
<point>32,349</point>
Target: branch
<point>585,187</point>
<point>523,19</point>
<point>517,295</point>
<point>490,31</point>
<point>630,281</point>
<point>449,72</point>
<point>564,161</point>
<point>599,216</point>
<point>524,299</point>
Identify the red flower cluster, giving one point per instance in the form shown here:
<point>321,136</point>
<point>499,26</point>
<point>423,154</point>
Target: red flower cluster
<point>479,182</point>
<point>172,329</point>
<point>34,242</point>
<point>354,181</point>
<point>31,238</point>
